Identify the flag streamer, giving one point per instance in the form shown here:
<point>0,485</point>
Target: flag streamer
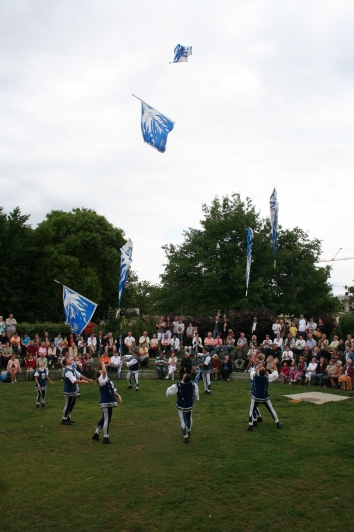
<point>274,209</point>
<point>126,253</point>
<point>181,53</point>
<point>249,256</point>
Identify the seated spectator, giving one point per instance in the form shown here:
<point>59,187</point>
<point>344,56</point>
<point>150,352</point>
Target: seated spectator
<point>36,340</point>
<point>46,339</point>
<point>52,355</point>
<point>100,343</point>
<point>254,340</point>
<point>92,345</point>
<point>321,370</point>
<point>143,355</point>
<point>43,351</point>
<point>323,346</point>
<point>341,346</point>
<point>270,364</point>
<point>311,326</point>
<point>307,355</point>
<point>15,343</point>
<point>57,340</point>
<point>189,329</point>
<point>24,344</point>
<point>82,349</point>
<point>348,353</point>
<point>226,368</point>
<point>180,331</point>
<point>72,350</point>
<point>316,353</point>
<point>106,360</point>
<point>300,372</point>
<point>299,348</point>
<point>154,345</point>
<point>267,345</point>
<point>78,364</point>
<point>349,341</point>
<point>311,372</point>
<point>13,367</point>
<point>217,344</point>
<point>186,364</point>
<point>6,355</point>
<point>42,357</point>
<point>334,344</point>
<point>278,342</point>
<point>242,345</point>
<point>175,345</point>
<point>287,356</point>
<point>80,342</point>
<point>30,367</point>
<point>195,332</point>
<point>311,342</point>
<point>172,365</point>
<point>230,332</point>
<point>209,342</point>
<point>290,341</point>
<point>3,339</point>
<point>284,372</point>
<point>292,371</point>
<point>197,344</point>
<point>346,379</point>
<point>165,343</point>
<point>229,344</point>
<point>110,344</point>
<point>329,371</point>
<point>188,343</point>
<point>88,366</point>
<point>336,374</point>
<point>160,363</point>
<point>115,362</point>
<point>144,338</point>
<point>32,349</point>
<point>215,367</point>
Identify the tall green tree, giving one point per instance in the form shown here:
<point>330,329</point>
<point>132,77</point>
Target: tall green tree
<point>207,271</point>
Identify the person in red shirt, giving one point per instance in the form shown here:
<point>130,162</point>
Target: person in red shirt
<point>89,329</point>
<point>32,349</point>
<point>30,367</point>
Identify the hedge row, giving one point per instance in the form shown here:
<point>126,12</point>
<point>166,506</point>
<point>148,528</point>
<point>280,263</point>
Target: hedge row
<point>40,328</point>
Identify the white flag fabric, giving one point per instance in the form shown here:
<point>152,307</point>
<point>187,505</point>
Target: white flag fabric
<point>182,53</point>
<point>126,253</point>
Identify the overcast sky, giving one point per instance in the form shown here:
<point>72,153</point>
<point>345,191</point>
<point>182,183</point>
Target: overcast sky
<point>266,100</point>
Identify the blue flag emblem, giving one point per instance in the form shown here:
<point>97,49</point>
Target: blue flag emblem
<point>155,127</point>
<point>182,53</point>
<point>78,310</point>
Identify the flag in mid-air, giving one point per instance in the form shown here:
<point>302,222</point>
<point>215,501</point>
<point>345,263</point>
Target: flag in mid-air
<point>126,253</point>
<point>274,209</point>
<point>182,53</point>
<point>78,309</point>
<point>249,256</point>
<point>155,127</point>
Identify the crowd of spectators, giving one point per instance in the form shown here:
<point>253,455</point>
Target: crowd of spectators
<point>301,349</point>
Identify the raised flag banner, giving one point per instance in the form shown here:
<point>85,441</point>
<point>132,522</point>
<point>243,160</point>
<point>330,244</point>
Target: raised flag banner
<point>182,53</point>
<point>274,209</point>
<point>126,253</point>
<point>155,127</point>
<point>249,256</point>
<point>78,309</point>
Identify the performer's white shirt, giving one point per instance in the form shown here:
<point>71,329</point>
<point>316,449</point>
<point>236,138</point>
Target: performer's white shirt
<point>131,362</point>
<point>172,390</point>
<point>73,378</point>
<point>271,376</point>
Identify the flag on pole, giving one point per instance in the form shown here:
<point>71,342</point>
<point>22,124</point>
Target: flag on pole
<point>78,309</point>
<point>125,261</point>
<point>274,209</point>
<point>182,53</point>
<point>249,256</point>
<point>155,127</point>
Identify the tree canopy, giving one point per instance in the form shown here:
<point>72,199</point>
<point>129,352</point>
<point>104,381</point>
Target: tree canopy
<point>207,271</point>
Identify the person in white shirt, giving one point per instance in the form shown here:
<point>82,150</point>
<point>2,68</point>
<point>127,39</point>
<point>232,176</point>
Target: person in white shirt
<point>276,328</point>
<point>311,326</point>
<point>300,345</point>
<point>334,344</point>
<point>301,326</point>
<point>175,325</point>
<point>175,345</point>
<point>91,344</point>
<point>172,366</point>
<point>197,343</point>
<point>116,364</point>
<point>311,371</point>
<point>180,332</point>
<point>278,342</point>
<point>144,338</point>
<point>287,355</point>
<point>129,341</point>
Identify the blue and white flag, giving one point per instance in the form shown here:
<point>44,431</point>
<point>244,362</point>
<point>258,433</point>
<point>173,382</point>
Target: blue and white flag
<point>126,253</point>
<point>155,127</point>
<point>249,256</point>
<point>274,209</point>
<point>182,53</point>
<point>78,309</point>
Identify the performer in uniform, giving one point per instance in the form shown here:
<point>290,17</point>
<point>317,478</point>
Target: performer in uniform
<point>187,392</point>
<point>206,370</point>
<point>71,380</point>
<point>107,403</point>
<point>259,394</point>
<point>133,365</point>
<point>41,376</point>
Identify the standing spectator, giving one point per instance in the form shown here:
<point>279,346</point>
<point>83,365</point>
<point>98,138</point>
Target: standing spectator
<point>175,325</point>
<point>161,328</point>
<point>282,329</point>
<point>217,326</point>
<point>30,367</point>
<point>254,329</point>
<point>160,364</point>
<point>180,332</point>
<point>172,366</point>
<point>302,324</point>
<point>209,342</point>
<point>169,327</point>
<point>225,329</point>
<point>92,344</point>
<point>276,328</point>
<point>25,340</point>
<point>11,324</point>
<point>188,343</point>
<point>226,368</point>
<point>215,367</point>
<point>89,329</point>
<point>144,339</point>
<point>154,345</point>
<point>217,344</point>
<point>205,366</point>
<point>293,329</point>
<point>186,365</point>
<point>175,346</point>
<point>189,329</point>
<point>2,325</point>
<point>13,367</point>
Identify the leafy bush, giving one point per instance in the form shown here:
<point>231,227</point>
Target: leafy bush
<point>346,324</point>
<point>40,328</point>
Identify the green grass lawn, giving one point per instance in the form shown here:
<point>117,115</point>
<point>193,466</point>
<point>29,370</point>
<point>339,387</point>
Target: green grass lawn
<point>56,477</point>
